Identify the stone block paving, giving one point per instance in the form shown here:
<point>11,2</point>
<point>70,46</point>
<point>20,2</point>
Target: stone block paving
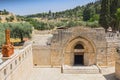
<point>55,74</point>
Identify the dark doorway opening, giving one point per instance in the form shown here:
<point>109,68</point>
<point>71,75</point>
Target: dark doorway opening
<point>78,60</point>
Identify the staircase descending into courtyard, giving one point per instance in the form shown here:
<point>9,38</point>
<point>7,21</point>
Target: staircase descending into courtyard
<point>80,69</point>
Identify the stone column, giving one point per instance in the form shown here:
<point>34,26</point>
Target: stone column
<point>7,48</point>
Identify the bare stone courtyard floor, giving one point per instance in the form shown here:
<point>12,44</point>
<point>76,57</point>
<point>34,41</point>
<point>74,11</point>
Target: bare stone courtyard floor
<point>55,74</point>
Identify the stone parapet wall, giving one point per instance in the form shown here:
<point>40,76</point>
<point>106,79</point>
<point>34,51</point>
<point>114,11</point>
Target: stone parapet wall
<point>18,66</point>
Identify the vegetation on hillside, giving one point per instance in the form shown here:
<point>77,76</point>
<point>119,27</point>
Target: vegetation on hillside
<point>103,13</point>
<point>84,12</point>
<point>4,12</point>
<point>10,18</point>
<point>6,16</point>
<point>86,15</point>
<point>94,14</point>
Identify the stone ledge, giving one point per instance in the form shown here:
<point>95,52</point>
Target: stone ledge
<point>80,69</point>
<point>5,58</point>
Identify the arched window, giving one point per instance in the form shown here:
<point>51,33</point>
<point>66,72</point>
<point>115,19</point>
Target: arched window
<point>79,46</point>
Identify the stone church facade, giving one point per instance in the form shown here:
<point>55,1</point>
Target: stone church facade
<point>78,46</point>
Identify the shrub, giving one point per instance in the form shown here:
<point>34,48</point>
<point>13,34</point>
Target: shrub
<point>92,24</point>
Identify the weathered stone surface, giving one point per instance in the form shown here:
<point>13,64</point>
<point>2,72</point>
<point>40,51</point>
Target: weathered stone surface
<point>99,47</point>
<point>41,56</point>
<point>117,69</point>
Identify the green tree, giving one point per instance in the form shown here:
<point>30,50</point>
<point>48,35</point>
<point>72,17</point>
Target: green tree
<point>95,17</point>
<point>86,14</point>
<point>118,18</point>
<point>104,20</point>
<point>37,24</point>
<point>7,19</point>
<point>21,30</point>
<point>115,4</point>
<point>50,14</point>
<point>5,12</point>
<point>0,19</point>
<point>2,34</point>
<point>11,18</point>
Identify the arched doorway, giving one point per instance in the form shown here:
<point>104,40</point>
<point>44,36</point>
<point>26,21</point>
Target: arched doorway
<point>79,51</point>
<point>78,54</point>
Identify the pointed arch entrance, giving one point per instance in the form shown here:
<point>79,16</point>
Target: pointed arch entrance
<point>78,54</point>
<point>79,51</point>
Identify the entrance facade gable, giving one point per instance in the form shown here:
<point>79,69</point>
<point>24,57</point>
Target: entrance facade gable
<point>89,56</point>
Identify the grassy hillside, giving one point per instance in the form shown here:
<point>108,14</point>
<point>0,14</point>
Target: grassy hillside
<point>86,15</point>
<point>77,13</point>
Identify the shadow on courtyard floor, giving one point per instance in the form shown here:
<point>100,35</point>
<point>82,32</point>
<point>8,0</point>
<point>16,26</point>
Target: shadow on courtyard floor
<point>110,76</point>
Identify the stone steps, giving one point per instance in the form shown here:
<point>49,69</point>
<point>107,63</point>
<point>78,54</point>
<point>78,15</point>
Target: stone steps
<point>80,70</point>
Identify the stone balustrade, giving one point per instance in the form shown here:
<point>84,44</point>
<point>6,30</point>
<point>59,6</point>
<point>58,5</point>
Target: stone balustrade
<point>18,66</point>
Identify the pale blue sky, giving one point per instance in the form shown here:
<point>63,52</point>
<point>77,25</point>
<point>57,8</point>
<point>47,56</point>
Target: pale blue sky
<point>24,7</point>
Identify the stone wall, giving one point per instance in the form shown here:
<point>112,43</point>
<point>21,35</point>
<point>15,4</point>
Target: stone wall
<point>117,69</point>
<point>117,64</point>
<point>94,37</point>
<point>111,51</point>
<point>17,67</point>
<point>113,42</point>
<point>56,57</point>
<point>41,56</point>
<point>99,48</point>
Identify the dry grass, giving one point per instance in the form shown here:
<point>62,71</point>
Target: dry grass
<point>13,40</point>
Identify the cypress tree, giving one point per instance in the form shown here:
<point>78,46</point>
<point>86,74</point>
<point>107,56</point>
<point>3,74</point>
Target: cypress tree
<point>113,9</point>
<point>118,18</point>
<point>86,14</point>
<point>105,14</point>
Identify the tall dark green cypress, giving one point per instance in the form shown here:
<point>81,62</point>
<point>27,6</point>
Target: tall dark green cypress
<point>113,9</point>
<point>86,14</point>
<point>104,20</point>
<point>107,15</point>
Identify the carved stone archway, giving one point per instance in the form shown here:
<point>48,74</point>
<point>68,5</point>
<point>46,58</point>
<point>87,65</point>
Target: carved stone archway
<point>89,51</point>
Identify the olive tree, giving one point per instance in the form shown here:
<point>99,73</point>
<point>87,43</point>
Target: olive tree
<point>21,30</point>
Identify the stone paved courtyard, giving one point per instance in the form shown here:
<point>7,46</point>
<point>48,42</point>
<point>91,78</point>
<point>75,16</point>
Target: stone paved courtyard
<point>55,74</point>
